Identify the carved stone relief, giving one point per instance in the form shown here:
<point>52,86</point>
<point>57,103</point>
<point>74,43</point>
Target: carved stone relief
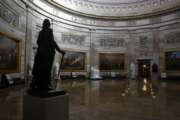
<point>131,23</point>
<point>118,8</point>
<point>9,16</point>
<point>71,39</point>
<point>143,41</point>
<point>143,46</point>
<point>173,38</point>
<point>112,42</point>
<point>156,41</point>
<point>155,20</point>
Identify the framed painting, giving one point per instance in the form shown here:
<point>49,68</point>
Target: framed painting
<point>9,54</point>
<point>111,61</point>
<point>172,60</point>
<point>74,61</point>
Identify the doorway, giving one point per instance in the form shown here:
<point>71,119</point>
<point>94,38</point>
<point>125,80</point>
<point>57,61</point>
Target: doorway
<point>144,69</point>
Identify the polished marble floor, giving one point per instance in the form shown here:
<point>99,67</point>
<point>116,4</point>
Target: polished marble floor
<point>106,100</point>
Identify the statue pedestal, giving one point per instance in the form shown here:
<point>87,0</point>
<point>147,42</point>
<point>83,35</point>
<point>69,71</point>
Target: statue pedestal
<point>46,108</point>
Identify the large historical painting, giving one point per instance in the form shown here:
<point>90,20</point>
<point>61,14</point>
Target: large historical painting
<point>74,61</point>
<point>172,60</point>
<point>9,54</point>
<point>111,61</point>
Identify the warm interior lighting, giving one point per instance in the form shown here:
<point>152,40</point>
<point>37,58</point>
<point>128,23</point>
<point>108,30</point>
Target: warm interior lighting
<point>144,88</point>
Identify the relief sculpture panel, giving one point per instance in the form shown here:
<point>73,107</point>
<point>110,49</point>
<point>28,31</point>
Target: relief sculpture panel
<point>143,46</point>
<point>112,42</point>
<point>71,39</point>
<point>173,38</point>
<point>9,16</point>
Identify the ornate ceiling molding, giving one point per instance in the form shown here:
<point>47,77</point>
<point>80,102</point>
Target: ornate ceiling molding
<point>117,9</point>
<point>114,2</point>
<point>44,8</point>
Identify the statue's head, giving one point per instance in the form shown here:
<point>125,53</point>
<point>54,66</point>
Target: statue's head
<point>46,23</point>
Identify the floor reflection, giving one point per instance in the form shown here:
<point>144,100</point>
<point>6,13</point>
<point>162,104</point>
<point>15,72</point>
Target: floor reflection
<point>141,99</point>
<point>142,87</point>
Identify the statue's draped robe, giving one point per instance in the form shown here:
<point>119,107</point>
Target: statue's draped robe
<point>44,59</point>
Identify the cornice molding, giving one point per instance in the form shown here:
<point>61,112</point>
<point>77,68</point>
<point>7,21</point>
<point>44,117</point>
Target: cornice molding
<point>113,2</point>
<point>99,23</point>
<point>116,15</point>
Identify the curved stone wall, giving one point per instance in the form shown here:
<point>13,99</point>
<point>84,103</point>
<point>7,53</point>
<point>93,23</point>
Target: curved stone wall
<point>70,18</point>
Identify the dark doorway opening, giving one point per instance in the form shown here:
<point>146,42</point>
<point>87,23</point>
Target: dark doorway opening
<point>144,69</point>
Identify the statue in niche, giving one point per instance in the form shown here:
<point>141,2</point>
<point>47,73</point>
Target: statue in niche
<point>154,79</point>
<point>44,60</point>
<point>132,71</point>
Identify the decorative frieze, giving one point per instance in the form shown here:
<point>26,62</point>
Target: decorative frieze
<point>144,46</point>
<point>143,41</point>
<point>71,39</point>
<point>117,12</point>
<point>112,42</point>
<point>131,23</point>
<point>9,16</point>
<point>173,38</point>
<point>119,8</point>
<point>155,20</point>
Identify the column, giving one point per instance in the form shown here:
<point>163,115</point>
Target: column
<point>94,71</point>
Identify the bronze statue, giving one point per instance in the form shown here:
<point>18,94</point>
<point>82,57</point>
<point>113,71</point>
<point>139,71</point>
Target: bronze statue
<point>44,59</point>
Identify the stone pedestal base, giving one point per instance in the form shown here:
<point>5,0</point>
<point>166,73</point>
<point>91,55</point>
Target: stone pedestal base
<point>95,74</point>
<point>48,108</point>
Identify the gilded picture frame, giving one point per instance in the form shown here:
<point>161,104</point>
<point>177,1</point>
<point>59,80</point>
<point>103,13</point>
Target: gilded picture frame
<point>74,61</point>
<point>116,62</point>
<point>9,53</point>
<point>170,59</point>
